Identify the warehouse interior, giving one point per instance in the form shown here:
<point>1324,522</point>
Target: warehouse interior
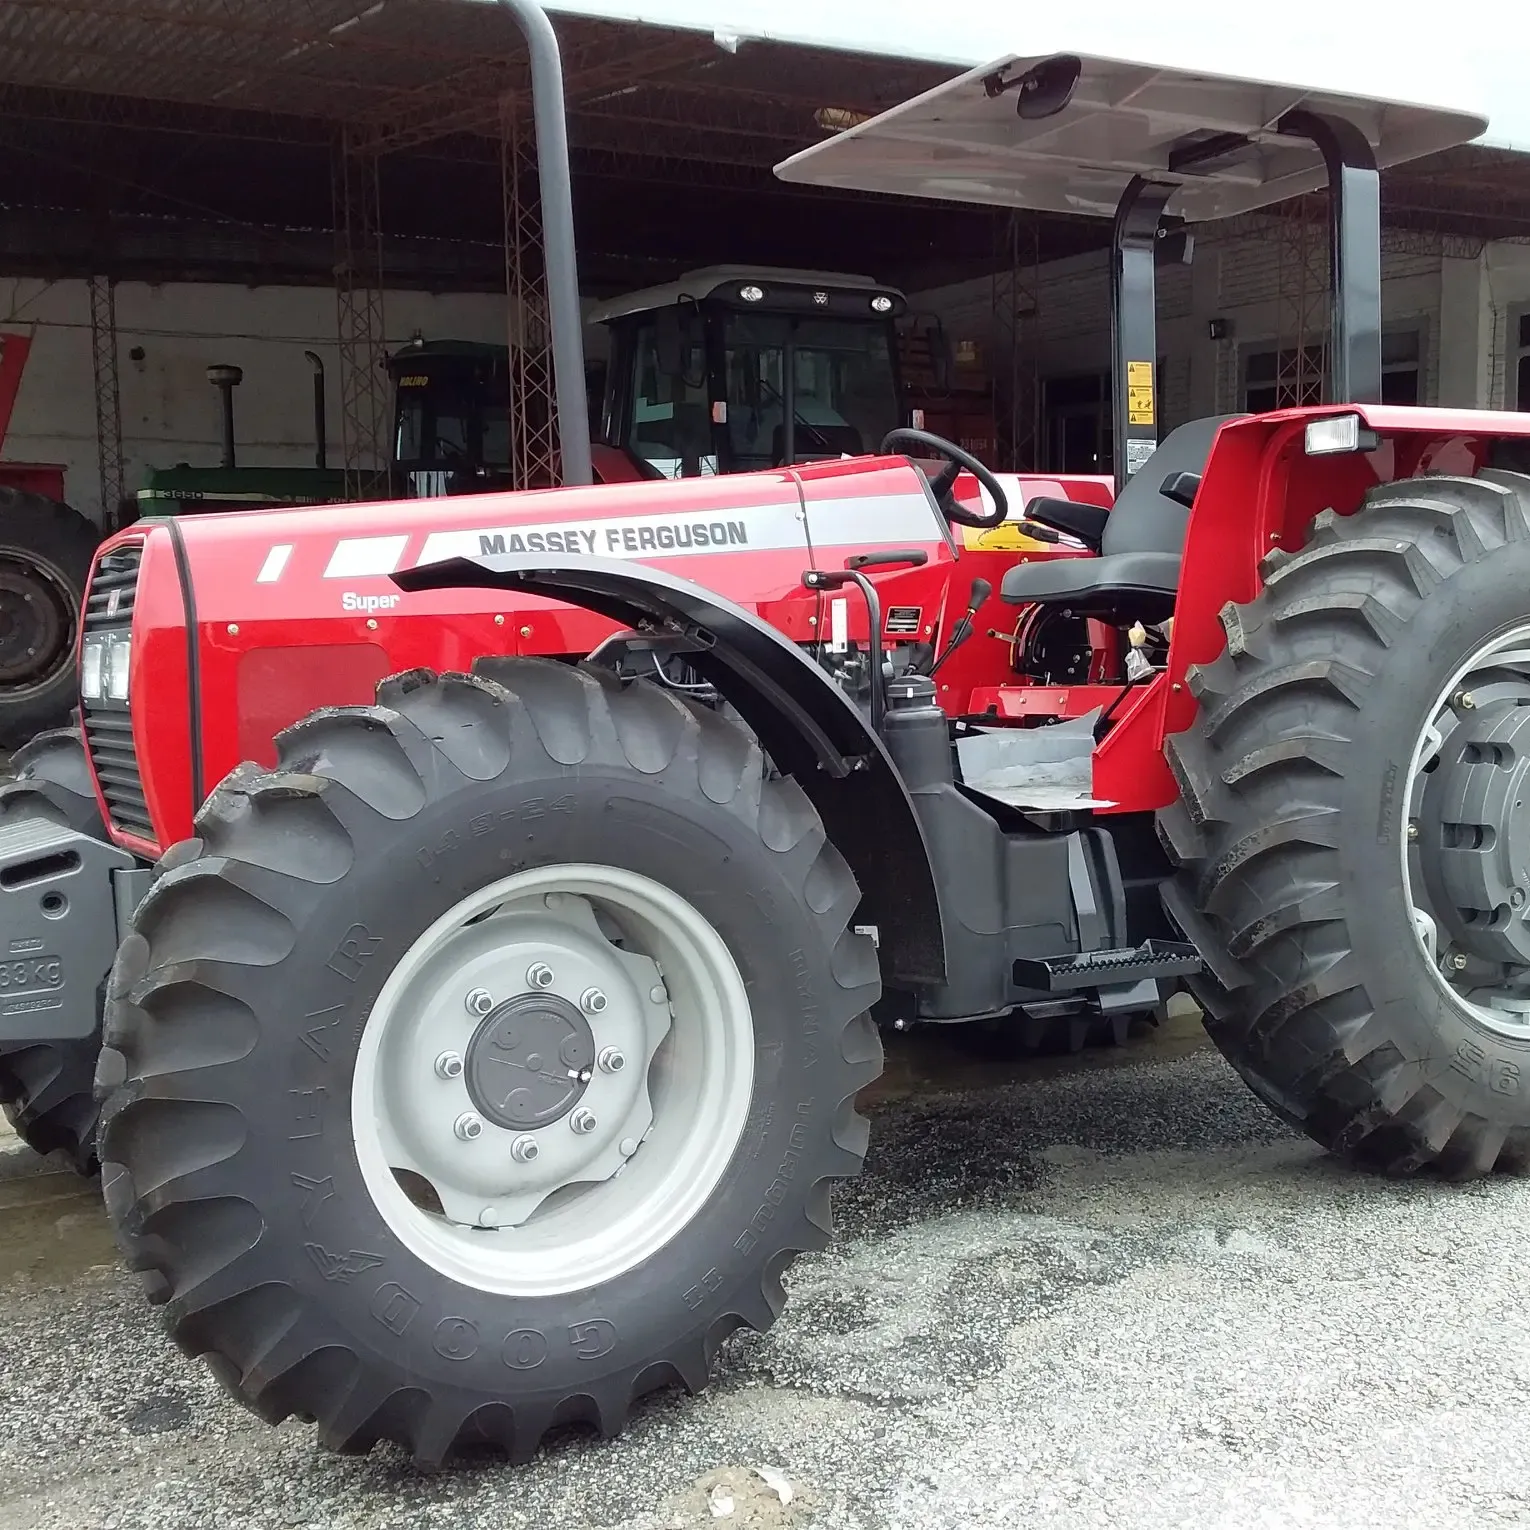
<point>341,152</point>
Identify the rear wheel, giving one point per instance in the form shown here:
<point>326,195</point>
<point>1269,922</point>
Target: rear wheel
<point>1354,830</point>
<point>46,1087</point>
<point>45,554</point>
<point>486,1063</point>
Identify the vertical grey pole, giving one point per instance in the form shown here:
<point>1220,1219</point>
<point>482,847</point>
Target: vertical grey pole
<point>320,443</point>
<point>561,270</point>
<point>1134,323</point>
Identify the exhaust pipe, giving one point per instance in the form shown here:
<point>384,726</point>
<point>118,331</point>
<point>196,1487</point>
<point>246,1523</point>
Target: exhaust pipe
<point>225,379</point>
<point>554,178</point>
<point>320,445</point>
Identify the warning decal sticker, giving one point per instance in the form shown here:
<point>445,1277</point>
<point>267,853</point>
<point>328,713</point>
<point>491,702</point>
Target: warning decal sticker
<point>1139,393</point>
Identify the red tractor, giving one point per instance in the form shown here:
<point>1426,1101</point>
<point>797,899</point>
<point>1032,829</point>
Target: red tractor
<point>481,1050</point>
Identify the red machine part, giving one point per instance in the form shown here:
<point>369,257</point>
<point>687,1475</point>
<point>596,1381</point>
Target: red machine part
<point>295,610</point>
<point>1259,492</point>
<point>45,478</point>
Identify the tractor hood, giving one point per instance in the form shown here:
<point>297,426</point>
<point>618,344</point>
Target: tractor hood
<point>244,623</point>
<point>748,536</point>
<point>233,626</point>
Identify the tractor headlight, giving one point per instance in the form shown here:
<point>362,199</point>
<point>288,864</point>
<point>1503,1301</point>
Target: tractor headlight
<point>1339,433</point>
<point>91,661</point>
<point>119,654</point>
<point>105,659</point>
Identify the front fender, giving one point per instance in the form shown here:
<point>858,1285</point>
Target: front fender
<point>807,725</point>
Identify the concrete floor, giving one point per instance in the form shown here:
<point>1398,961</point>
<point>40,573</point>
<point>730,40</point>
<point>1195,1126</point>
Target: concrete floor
<point>1104,1292</point>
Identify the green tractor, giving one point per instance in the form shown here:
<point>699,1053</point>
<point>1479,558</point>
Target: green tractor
<point>450,435</point>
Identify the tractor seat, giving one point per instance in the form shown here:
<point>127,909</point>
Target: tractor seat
<point>1136,575</point>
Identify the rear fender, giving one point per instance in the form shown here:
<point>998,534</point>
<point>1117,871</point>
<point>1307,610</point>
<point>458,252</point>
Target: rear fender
<point>1259,493</point>
<point>803,720</point>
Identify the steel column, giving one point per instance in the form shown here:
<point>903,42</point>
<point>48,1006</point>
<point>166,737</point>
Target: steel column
<point>103,357</point>
<point>533,403</point>
<point>1017,382</point>
<point>365,395</point>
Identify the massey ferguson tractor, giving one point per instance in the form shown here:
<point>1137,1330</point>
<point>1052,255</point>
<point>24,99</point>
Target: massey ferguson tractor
<point>497,901</point>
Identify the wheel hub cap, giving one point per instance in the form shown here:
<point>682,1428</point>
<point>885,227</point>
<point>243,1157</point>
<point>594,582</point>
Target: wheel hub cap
<point>1466,858</point>
<point>35,626</point>
<point>557,1032</point>
<point>1476,816</point>
<point>530,1061</point>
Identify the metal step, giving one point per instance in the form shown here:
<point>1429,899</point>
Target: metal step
<point>1108,969</point>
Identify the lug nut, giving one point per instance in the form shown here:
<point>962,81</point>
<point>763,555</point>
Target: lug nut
<point>449,1065</point>
<point>479,1001</point>
<point>468,1126</point>
<point>1463,701</point>
<point>539,975</point>
<point>1458,961</point>
<point>593,1002</point>
<point>611,1060</point>
<point>524,1149</point>
<point>1412,828</point>
<point>582,1121</point>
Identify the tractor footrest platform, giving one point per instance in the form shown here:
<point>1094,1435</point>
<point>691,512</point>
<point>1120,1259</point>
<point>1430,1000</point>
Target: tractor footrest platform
<point>1108,969</point>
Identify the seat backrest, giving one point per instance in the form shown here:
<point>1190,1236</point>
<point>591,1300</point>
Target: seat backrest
<point>1142,519</point>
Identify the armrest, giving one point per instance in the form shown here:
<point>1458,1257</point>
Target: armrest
<point>1181,488</point>
<point>1086,522</point>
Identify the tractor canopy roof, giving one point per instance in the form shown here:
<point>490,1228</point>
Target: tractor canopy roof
<point>1068,133</point>
<point>724,283</point>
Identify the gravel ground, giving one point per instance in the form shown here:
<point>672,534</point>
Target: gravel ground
<point>1115,1296</point>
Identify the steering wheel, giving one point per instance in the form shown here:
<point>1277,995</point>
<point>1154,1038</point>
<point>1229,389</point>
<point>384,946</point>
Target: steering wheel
<point>940,486</point>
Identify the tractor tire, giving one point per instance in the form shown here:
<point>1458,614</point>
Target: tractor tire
<point>45,554</point>
<point>363,1004</point>
<point>1350,836</point>
<point>47,1087</point>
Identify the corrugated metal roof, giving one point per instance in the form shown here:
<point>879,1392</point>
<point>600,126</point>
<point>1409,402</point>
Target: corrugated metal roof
<point>348,60</point>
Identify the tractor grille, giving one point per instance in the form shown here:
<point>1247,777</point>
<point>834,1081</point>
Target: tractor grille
<point>109,724</point>
<point>113,590</point>
<point>903,621</point>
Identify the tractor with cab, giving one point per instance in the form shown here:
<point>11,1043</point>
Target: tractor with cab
<point>496,916</point>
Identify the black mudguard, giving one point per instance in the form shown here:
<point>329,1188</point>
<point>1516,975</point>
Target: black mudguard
<point>807,725</point>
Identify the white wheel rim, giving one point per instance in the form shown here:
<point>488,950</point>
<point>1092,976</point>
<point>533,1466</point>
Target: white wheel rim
<point>596,1198</point>
<point>1494,683</point>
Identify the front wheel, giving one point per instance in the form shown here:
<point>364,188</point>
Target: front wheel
<point>488,1061</point>
<point>1353,835</point>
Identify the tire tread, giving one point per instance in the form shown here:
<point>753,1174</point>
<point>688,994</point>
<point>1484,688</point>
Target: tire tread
<point>1255,833</point>
<point>350,767</point>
